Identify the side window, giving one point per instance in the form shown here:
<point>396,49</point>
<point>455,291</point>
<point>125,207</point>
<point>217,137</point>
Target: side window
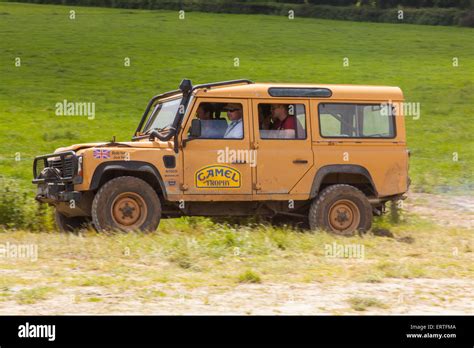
<point>378,121</point>
<point>282,121</point>
<point>356,120</point>
<point>220,120</point>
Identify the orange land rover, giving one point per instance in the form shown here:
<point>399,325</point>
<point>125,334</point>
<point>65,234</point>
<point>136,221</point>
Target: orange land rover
<point>332,154</point>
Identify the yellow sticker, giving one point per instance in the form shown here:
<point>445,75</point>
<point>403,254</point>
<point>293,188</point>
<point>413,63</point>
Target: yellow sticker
<point>217,176</point>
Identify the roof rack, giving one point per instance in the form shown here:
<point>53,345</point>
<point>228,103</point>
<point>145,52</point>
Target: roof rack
<point>222,83</point>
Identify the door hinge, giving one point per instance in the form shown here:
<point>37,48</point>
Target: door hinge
<point>184,187</point>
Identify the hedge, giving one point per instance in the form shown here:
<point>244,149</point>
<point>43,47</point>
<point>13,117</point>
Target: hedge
<point>19,210</point>
<point>430,16</point>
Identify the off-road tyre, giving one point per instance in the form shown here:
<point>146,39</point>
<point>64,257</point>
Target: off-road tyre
<point>341,209</point>
<point>126,204</point>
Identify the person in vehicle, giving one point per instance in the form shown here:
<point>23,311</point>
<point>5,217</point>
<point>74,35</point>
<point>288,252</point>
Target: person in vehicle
<point>204,112</point>
<point>235,128</point>
<point>281,118</point>
<point>210,127</point>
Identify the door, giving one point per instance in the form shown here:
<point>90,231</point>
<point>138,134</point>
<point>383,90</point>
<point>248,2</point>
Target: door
<point>364,134</point>
<point>218,162</point>
<point>283,144</point>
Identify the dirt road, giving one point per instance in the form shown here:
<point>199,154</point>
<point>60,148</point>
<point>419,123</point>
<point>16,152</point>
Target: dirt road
<point>445,210</point>
<point>395,296</point>
<point>398,293</point>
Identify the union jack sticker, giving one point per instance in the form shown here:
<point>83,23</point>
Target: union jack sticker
<point>101,153</point>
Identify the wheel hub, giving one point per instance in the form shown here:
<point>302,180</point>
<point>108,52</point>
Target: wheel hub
<point>129,210</point>
<point>344,216</point>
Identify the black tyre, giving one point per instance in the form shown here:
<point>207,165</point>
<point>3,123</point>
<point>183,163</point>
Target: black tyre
<point>70,224</point>
<point>126,203</point>
<point>341,209</point>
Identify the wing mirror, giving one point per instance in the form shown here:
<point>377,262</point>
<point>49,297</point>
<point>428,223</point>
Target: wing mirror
<point>194,131</point>
<point>195,128</point>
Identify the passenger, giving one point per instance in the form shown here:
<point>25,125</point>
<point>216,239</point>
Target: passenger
<point>281,119</point>
<point>235,129</point>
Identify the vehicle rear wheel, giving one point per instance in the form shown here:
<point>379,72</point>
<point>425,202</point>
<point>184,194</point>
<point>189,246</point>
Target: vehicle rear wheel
<point>126,203</point>
<point>70,224</point>
<point>341,209</point>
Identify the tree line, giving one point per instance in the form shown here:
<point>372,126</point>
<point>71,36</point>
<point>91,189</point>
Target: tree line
<point>463,4</point>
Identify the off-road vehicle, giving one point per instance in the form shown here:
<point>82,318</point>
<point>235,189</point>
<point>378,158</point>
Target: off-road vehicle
<point>332,154</point>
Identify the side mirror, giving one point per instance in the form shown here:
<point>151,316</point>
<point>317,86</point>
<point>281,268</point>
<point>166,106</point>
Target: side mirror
<point>195,128</point>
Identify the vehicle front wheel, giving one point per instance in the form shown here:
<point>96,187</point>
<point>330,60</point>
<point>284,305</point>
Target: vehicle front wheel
<point>126,203</point>
<point>70,224</point>
<point>341,209</point>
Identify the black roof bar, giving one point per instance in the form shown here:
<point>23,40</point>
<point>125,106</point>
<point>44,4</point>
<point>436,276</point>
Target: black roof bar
<point>222,83</point>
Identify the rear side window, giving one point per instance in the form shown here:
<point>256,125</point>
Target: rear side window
<point>338,120</point>
<point>282,121</point>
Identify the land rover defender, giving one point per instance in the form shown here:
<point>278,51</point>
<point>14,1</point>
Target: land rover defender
<point>332,154</point>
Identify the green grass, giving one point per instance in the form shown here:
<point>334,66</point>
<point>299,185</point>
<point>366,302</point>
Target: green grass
<point>91,259</point>
<point>362,303</point>
<point>30,296</point>
<point>95,267</point>
<point>249,276</point>
<point>94,299</point>
<point>82,60</point>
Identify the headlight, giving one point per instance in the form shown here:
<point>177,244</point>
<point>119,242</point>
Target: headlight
<point>79,165</point>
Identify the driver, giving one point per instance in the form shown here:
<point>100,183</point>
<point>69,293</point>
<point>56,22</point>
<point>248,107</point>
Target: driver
<point>210,127</point>
<point>204,112</point>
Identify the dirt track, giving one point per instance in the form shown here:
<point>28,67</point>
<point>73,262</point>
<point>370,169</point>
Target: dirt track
<point>398,296</point>
<point>443,209</point>
<point>389,296</point>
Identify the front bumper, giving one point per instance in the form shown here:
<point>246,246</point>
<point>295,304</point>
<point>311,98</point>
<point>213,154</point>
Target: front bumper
<point>55,174</point>
<point>56,192</point>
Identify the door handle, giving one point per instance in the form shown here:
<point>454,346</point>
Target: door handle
<point>299,161</point>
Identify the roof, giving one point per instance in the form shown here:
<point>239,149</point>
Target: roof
<point>343,92</point>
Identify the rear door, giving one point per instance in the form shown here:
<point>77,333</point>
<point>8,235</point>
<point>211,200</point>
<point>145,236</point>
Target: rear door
<point>284,153</point>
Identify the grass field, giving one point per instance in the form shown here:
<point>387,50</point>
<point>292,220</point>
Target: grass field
<point>197,266</point>
<point>194,265</point>
<point>83,60</point>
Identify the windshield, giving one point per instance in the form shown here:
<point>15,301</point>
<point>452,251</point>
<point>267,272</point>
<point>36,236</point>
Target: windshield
<point>163,115</point>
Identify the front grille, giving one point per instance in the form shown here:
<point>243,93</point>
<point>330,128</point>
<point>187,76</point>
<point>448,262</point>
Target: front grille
<point>65,166</point>
<point>40,165</point>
